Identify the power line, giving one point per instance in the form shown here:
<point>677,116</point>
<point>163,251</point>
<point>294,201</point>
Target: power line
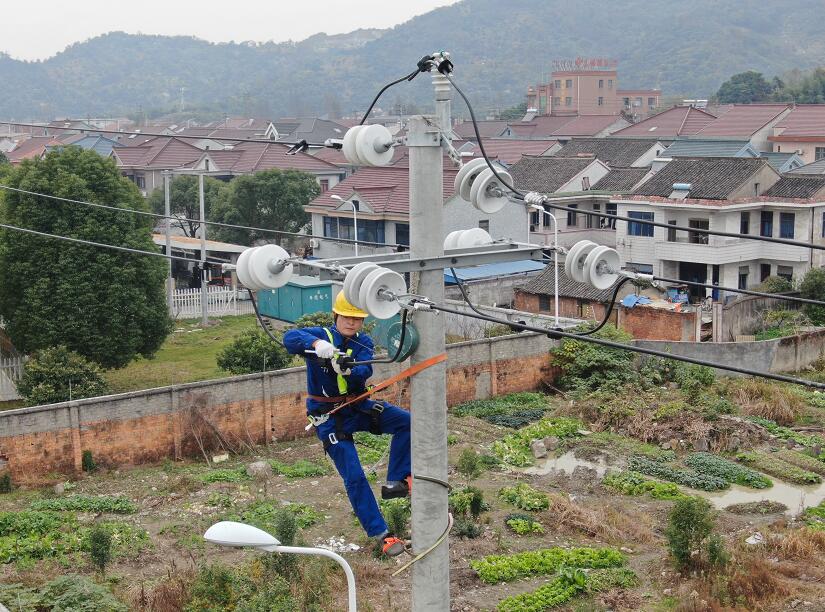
<point>197,221</point>
<point>777,296</point>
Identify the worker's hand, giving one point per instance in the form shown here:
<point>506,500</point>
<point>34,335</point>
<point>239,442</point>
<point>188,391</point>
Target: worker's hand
<point>341,364</point>
<point>324,349</point>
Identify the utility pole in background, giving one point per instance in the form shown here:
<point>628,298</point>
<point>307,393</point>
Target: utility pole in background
<point>167,211</point>
<point>204,294</point>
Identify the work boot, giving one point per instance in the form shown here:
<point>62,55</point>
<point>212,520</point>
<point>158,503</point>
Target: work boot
<point>397,488</point>
<point>392,546</point>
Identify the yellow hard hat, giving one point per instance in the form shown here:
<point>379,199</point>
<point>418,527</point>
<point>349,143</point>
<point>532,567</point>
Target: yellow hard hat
<point>344,308</point>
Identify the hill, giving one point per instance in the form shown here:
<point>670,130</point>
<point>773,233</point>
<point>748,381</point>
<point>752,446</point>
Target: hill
<point>499,48</point>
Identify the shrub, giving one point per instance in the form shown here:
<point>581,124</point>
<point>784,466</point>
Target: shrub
<point>300,469</point>
<point>775,284</point>
<point>100,547</point>
<point>781,469</point>
<point>587,367</point>
<point>689,524</point>
<point>633,483</point>
<point>87,462</point>
<point>5,483</point>
<point>397,513</point>
<point>768,400</point>
<point>525,497</point>
<point>466,527</point>
<point>547,561</point>
<point>523,524</point>
<point>468,464</point>
<point>692,379</point>
<point>83,503</point>
<point>57,375</point>
<point>253,351</point>
<point>225,475</point>
<point>813,287</point>
<point>712,465</point>
<point>515,448</point>
<point>665,472</point>
<point>78,594</point>
<point>321,318</point>
<point>467,500</point>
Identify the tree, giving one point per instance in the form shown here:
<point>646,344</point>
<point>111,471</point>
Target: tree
<point>812,287</point>
<point>272,199</point>
<point>744,88</point>
<point>514,113</point>
<point>106,305</point>
<point>184,200</point>
<point>59,375</point>
<point>809,89</point>
<point>3,159</point>
<point>253,351</point>
<point>689,525</point>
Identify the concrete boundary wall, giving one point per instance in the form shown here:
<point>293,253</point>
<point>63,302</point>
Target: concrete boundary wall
<point>172,422</point>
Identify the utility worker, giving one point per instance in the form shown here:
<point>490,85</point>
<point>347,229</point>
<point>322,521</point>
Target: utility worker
<point>332,378</point>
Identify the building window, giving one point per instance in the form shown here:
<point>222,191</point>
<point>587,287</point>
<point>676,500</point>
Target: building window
<point>324,185</point>
<point>610,209</point>
<point>823,225</point>
<point>484,224</point>
<point>544,303</point>
<point>601,83</point>
<point>651,101</point>
<point>626,102</point>
<point>368,231</point>
<point>585,183</point>
<point>756,189</point>
<point>610,83</point>
<point>744,223</point>
<point>534,220</point>
<point>548,220</point>
<point>331,227</point>
<point>786,223</point>
<point>696,237</point>
<point>402,234</point>
<point>140,181</point>
<point>601,101</point>
<point>764,272</point>
<point>766,223</point>
<point>568,101</point>
<point>637,102</point>
<point>556,101</point>
<point>819,153</point>
<point>572,216</point>
<point>743,277</point>
<point>785,272</point>
<point>671,233</point>
<point>639,268</point>
<point>640,229</point>
<point>568,83</point>
<point>557,84</point>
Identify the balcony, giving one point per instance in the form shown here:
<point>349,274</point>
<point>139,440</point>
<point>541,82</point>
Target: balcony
<point>720,250</point>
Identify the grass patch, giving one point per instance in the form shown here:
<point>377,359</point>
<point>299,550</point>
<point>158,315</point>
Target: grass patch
<point>515,448</point>
<point>225,475</point>
<point>686,478</point>
<point>525,497</point>
<point>184,357</point>
<point>300,469</point>
<point>371,447</point>
<point>706,463</point>
<point>785,433</point>
<point>263,514</point>
<point>770,464</point>
<point>83,503</point>
<point>634,483</point>
<point>506,568</point>
<point>623,445</point>
<point>800,460</point>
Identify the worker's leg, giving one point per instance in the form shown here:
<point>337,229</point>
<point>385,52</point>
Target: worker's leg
<point>360,495</point>
<point>396,421</point>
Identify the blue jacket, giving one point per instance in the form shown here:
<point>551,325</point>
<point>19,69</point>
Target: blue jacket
<point>321,378</point>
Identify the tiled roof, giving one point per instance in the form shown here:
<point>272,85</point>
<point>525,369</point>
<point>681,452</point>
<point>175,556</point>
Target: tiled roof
<point>332,156</point>
<point>487,129</point>
<point>782,162</point>
<point>711,178</point>
<point>386,190</point>
<point>254,157</point>
<point>312,129</point>
<point>796,186</point>
<point>619,152</point>
<point>589,125</point>
<point>669,124</point>
<point>817,167</point>
<point>546,174</point>
<point>803,120</point>
<point>543,126</point>
<point>544,284</point>
<point>159,153</point>
<point>620,179</point>
<point>743,120</point>
<point>694,147</point>
<point>507,150</point>
<point>32,147</point>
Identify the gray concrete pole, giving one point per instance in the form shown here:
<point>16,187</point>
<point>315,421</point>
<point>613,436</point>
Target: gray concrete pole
<point>431,575</point>
<point>204,295</point>
<point>167,210</point>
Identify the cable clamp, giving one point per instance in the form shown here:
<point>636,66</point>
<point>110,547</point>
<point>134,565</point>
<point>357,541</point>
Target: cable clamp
<point>316,421</point>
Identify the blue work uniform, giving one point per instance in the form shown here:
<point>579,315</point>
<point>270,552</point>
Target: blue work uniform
<point>322,380</point>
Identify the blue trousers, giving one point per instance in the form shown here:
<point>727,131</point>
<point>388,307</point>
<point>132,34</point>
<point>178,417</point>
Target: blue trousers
<point>395,421</point>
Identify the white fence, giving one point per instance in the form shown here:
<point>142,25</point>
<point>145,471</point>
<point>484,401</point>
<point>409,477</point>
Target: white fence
<point>220,301</point>
<point>11,370</point>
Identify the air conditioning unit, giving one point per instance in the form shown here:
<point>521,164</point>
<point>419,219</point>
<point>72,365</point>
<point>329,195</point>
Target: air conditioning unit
<point>314,243</point>
<point>534,228</point>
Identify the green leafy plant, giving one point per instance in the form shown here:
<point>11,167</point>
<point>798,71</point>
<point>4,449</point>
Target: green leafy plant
<point>371,447</point>
<point>397,514</point>
<point>814,516</point>
<point>57,375</point>
<point>84,503</point>
<point>466,527</point>
<point>800,460</point>
<point>777,467</point>
<point>587,367</point>
<point>71,592</point>
<point>523,524</point>
<point>550,595</point>
<point>468,464</point>
<point>515,448</point>
<point>785,433</point>
<point>525,497</point>
<point>514,410</point>
<point>87,462</point>
<point>633,483</point>
<point>706,463</point>
<point>690,522</point>
<point>5,483</point>
<point>660,470</point>
<point>467,500</point>
<point>300,469</point>
<point>225,475</point>
<point>253,351</point>
<point>100,546</point>
<point>547,561</point>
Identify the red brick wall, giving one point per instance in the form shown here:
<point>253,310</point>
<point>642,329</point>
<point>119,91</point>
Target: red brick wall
<point>647,323</point>
<point>568,307</point>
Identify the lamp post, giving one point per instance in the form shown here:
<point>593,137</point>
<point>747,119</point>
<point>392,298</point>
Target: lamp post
<point>354,217</point>
<point>541,209</point>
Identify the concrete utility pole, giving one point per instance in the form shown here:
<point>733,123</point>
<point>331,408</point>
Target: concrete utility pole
<point>431,575</point>
<point>204,295</point>
<point>167,211</point>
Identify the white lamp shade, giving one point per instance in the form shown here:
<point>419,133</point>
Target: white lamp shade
<point>230,533</point>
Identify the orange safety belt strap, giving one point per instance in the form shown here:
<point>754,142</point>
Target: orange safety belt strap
<point>411,371</point>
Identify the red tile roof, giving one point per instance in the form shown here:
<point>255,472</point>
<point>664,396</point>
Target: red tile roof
<point>31,148</point>
<point>807,120</point>
<point>507,150</point>
<point>676,121</point>
<point>385,190</point>
<point>743,120</point>
<point>254,157</point>
<point>159,153</point>
<point>487,129</point>
<point>587,125</point>
<point>542,126</point>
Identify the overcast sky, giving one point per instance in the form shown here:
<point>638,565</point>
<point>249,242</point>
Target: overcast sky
<point>38,29</point>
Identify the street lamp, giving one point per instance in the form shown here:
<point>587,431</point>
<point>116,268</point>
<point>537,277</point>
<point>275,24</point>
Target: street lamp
<point>541,209</point>
<point>230,533</point>
<point>354,217</point>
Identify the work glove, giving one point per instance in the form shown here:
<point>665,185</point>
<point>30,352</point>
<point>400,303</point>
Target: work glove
<point>324,349</point>
<point>343,365</point>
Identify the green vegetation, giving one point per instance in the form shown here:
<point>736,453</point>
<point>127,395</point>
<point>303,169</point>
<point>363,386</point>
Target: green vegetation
<point>633,483</point>
<point>300,469</point>
<point>690,525</point>
<point>812,286</point>
<point>547,561</point>
<point>371,447</point>
<point>225,475</point>
<point>588,367</point>
<point>83,503</point>
<point>266,514</point>
<point>184,200</point>
<point>100,546</point>
<point>515,448</point>
<point>775,466</point>
<point>814,516</point>
<point>87,462</point>
<point>467,500</point>
<point>58,375</point>
<point>747,87</point>
<point>712,465</point>
<point>525,497</point>
<point>523,524</point>
<point>67,593</point>
<point>800,460</point>
<point>758,507</point>
<point>5,483</point>
<point>468,464</point>
<point>785,433</point>
<point>624,446</point>
<point>513,410</point>
<point>704,482</point>
<point>397,513</point>
<point>253,351</point>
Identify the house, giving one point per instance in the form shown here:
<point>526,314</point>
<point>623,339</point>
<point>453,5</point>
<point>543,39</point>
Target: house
<point>700,147</point>
<point>556,174</point>
<point>752,122</point>
<point>615,152</point>
<point>783,162</point>
<point>507,150</point>
<point>92,142</point>
<point>490,284</point>
<point>381,196</point>
<point>676,122</point>
<point>32,148</point>
<point>144,164</point>
<point>311,129</point>
<point>620,180</point>
<point>801,131</point>
<point>251,157</point>
<point>576,300</point>
<point>737,195</point>
<point>817,167</point>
